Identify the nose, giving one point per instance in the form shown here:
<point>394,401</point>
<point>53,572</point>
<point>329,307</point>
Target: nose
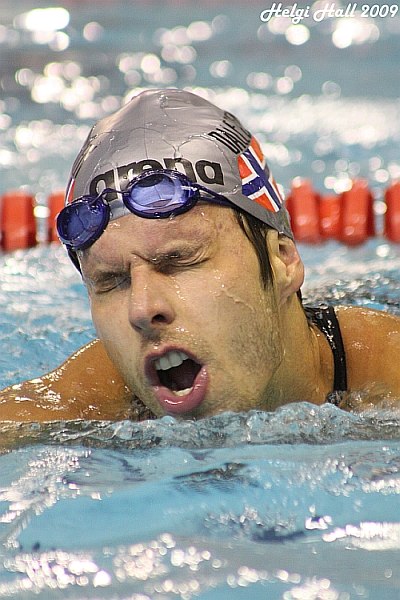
<point>150,305</point>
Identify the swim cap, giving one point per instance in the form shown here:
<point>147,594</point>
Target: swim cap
<point>178,130</point>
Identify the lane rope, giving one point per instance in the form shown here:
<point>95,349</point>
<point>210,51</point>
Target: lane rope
<point>348,217</point>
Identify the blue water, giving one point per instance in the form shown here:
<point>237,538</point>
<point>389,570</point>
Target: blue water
<point>297,504</point>
<point>301,503</point>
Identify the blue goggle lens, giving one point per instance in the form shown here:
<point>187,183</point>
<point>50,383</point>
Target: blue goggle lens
<point>159,195</point>
<point>81,223</point>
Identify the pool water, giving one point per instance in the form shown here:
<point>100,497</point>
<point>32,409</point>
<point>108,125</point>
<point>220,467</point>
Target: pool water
<point>302,503</point>
<point>297,504</point>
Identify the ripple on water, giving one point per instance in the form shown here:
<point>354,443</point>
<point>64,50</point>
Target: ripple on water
<point>280,503</point>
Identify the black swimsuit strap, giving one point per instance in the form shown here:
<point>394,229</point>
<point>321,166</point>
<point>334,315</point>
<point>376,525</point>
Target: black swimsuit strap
<point>324,317</point>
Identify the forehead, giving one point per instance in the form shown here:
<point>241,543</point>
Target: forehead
<point>205,225</point>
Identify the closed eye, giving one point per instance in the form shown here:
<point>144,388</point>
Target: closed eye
<point>107,282</point>
<point>173,267</point>
<point>173,262</point>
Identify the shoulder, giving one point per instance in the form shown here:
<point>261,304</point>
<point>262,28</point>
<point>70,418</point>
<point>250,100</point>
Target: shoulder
<point>86,386</point>
<point>368,325</point>
<point>372,344</point>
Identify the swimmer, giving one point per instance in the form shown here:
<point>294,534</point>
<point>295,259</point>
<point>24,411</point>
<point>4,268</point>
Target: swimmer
<point>178,228</point>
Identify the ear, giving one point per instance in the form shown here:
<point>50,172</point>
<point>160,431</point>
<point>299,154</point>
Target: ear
<point>287,266</point>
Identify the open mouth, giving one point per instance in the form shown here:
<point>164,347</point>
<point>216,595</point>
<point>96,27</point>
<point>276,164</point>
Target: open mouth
<point>179,381</point>
<point>177,372</point>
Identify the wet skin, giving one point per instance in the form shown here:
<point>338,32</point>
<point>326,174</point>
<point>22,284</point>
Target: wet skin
<point>190,284</point>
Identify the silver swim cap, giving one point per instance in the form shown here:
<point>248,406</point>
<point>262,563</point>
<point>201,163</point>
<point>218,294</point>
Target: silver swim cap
<point>178,130</point>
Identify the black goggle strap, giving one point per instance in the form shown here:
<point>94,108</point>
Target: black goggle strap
<point>211,195</point>
<point>74,258</point>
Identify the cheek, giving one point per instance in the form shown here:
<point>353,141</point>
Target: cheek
<point>112,331</point>
<point>239,292</point>
<point>98,315</point>
<point>240,315</point>
<point>108,320</point>
<point>251,311</point>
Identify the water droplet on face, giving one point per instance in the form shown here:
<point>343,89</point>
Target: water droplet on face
<point>163,101</point>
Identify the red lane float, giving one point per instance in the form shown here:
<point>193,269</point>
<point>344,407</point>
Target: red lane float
<point>55,204</point>
<point>347,217</point>
<point>392,215</point>
<point>356,214</point>
<point>303,206</point>
<point>17,222</point>
<point>329,217</point>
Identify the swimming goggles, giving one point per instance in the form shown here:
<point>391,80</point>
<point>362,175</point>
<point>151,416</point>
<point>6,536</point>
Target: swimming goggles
<point>152,195</point>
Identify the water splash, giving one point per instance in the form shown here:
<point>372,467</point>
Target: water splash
<point>296,423</point>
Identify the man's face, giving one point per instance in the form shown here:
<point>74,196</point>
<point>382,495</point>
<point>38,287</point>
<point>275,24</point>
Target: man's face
<point>181,310</point>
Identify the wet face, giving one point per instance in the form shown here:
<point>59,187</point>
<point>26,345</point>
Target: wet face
<point>181,310</point>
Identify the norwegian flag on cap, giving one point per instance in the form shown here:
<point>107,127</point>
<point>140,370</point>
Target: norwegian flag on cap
<point>257,181</point>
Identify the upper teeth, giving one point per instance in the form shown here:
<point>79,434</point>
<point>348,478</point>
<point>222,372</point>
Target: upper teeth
<point>169,360</point>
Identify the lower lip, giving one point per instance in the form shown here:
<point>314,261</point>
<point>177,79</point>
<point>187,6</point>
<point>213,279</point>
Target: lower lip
<point>179,405</point>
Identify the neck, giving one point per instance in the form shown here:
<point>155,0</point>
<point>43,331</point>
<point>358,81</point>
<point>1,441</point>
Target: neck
<point>306,370</point>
